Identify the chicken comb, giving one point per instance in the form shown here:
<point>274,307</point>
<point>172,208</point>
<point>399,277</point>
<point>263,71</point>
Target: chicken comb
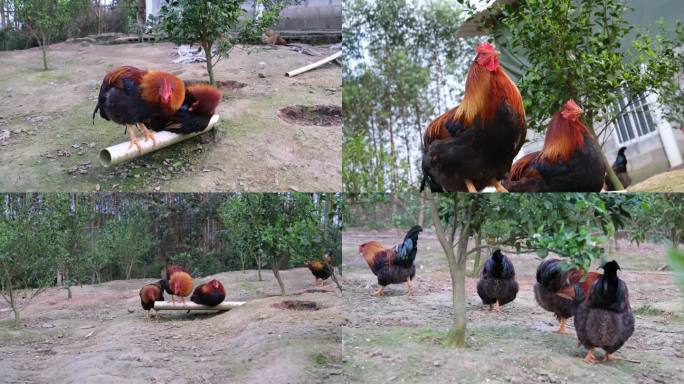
<point>485,48</point>
<point>571,111</point>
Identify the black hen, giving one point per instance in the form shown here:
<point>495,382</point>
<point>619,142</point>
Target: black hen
<point>604,319</point>
<point>497,285</point>
<point>620,169</point>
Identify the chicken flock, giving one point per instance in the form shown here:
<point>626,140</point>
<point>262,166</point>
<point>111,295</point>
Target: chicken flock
<point>473,145</point>
<point>155,101</point>
<point>598,302</point>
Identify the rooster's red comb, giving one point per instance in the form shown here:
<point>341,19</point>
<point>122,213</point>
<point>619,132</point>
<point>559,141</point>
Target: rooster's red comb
<point>571,111</point>
<point>485,48</point>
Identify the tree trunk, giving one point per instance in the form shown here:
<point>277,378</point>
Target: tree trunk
<point>13,303</point>
<point>258,262</point>
<point>617,184</point>
<point>69,295</point>
<point>476,263</point>
<point>421,209</point>
<point>129,270</point>
<point>210,65</point>
<point>276,273</point>
<point>44,49</point>
<point>456,336</point>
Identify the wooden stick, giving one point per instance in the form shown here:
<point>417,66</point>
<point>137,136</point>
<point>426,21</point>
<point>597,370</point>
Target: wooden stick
<point>314,65</point>
<point>190,306</point>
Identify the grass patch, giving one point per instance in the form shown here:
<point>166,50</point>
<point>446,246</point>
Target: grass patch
<point>647,310</point>
<point>322,358</point>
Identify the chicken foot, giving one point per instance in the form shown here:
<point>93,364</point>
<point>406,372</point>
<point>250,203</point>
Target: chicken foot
<point>498,186</point>
<point>147,133</point>
<point>134,139</point>
<point>589,358</point>
<point>409,287</point>
<point>379,292</point>
<point>561,327</point>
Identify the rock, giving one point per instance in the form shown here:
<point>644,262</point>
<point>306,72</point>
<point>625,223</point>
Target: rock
<point>436,363</point>
<point>261,75</point>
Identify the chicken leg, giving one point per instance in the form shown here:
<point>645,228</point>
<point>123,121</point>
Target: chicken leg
<point>147,133</point>
<point>379,292</point>
<point>156,315</point>
<point>561,327</point>
<point>469,184</point>
<point>134,139</point>
<point>409,287</point>
<point>589,358</point>
<point>498,186</point>
<point>147,315</point>
<point>497,308</point>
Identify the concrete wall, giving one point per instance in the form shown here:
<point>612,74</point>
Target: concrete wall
<point>310,15</point>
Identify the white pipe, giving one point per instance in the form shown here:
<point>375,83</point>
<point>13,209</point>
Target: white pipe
<point>119,153</point>
<point>314,65</point>
<point>190,306</point>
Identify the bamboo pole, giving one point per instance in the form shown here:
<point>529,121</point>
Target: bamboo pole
<point>120,153</point>
<point>190,306</point>
<point>314,65</point>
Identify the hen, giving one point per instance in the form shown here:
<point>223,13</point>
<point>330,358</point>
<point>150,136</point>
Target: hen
<point>554,287</point>
<point>131,96</point>
<point>393,265</point>
<point>604,317</point>
<point>324,269</point>
<point>570,161</point>
<point>178,282</point>
<point>194,114</point>
<point>212,293</point>
<point>497,285</point>
<point>149,294</point>
<point>620,169</point>
<point>473,145</point>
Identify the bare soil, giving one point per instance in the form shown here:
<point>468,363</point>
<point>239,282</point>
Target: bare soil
<point>99,336</point>
<point>396,339</point>
<point>48,141</point>
<point>324,115</point>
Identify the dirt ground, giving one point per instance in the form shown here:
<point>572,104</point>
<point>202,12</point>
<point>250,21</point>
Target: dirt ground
<point>54,146</point>
<point>670,181</point>
<point>99,336</point>
<point>397,339</point>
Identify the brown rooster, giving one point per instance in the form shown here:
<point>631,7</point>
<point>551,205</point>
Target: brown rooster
<point>324,269</point>
<point>212,293</point>
<point>198,107</point>
<point>178,282</point>
<point>555,288</point>
<point>473,145</point>
<point>131,96</point>
<point>570,161</point>
<point>149,294</point>
<point>393,265</point>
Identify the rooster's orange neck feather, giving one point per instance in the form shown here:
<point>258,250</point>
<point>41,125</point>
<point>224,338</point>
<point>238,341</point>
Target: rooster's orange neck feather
<point>370,249</point>
<point>483,92</point>
<point>151,84</point>
<point>562,139</point>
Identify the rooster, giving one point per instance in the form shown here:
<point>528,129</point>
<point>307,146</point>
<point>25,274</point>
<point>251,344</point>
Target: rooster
<point>131,96</point>
<point>604,317</point>
<point>212,294</point>
<point>620,169</point>
<point>178,282</point>
<point>554,287</point>
<point>570,161</point>
<point>497,285</point>
<point>149,294</point>
<point>194,114</point>
<point>393,265</point>
<point>473,145</point>
<point>324,269</point>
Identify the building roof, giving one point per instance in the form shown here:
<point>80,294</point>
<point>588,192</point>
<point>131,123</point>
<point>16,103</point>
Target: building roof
<point>472,26</point>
